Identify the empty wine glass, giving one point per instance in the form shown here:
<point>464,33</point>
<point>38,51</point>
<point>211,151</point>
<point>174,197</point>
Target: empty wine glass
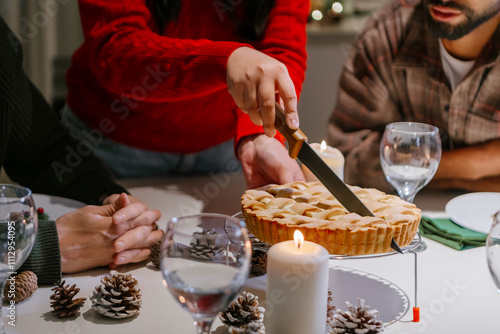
<point>18,227</point>
<point>410,153</point>
<point>493,250</point>
<point>205,261</point>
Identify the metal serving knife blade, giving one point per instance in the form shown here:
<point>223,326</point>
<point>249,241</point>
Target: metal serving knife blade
<point>299,148</point>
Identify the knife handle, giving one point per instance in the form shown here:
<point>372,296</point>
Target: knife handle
<point>295,138</point>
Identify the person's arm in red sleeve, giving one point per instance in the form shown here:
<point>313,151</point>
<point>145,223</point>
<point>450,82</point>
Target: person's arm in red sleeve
<point>285,38</point>
<point>265,160</point>
<point>253,78</point>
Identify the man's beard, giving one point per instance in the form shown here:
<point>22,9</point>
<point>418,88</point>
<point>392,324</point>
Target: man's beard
<point>452,32</point>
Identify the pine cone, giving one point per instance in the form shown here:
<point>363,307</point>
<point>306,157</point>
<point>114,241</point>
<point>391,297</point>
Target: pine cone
<point>154,257</point>
<point>20,287</point>
<point>118,296</point>
<point>243,311</point>
<point>330,311</point>
<point>259,263</point>
<point>251,328</point>
<point>204,247</point>
<point>357,320</point>
<point>62,300</point>
<point>16,216</point>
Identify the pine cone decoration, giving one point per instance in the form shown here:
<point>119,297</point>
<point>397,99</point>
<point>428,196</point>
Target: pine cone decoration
<point>204,247</point>
<point>19,288</point>
<point>330,310</point>
<point>243,311</point>
<point>259,263</point>
<point>357,320</point>
<point>251,328</point>
<point>62,300</point>
<point>154,257</point>
<point>118,296</point>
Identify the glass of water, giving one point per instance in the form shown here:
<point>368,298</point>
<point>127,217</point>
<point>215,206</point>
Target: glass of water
<point>205,261</point>
<point>410,154</point>
<point>493,250</point>
<point>18,228</point>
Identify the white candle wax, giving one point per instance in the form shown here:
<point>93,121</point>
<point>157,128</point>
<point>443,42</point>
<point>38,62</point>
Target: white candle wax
<point>333,158</point>
<point>297,288</point>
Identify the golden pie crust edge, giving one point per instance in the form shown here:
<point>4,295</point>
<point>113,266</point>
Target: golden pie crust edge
<point>337,241</point>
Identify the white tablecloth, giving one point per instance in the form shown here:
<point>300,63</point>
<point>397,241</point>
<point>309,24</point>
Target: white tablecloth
<point>455,291</point>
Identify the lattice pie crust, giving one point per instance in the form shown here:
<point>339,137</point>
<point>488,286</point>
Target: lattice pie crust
<point>273,213</point>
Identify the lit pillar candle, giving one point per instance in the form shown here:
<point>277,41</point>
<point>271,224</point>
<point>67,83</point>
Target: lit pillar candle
<point>333,158</point>
<point>297,287</point>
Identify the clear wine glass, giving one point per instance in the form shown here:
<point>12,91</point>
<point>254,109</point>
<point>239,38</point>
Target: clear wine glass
<point>205,261</point>
<point>18,228</point>
<point>410,154</point>
<point>493,250</point>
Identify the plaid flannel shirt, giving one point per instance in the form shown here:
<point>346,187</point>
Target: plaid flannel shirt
<point>394,73</point>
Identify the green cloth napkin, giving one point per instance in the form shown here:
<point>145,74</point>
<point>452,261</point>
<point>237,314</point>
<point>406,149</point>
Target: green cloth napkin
<point>450,234</point>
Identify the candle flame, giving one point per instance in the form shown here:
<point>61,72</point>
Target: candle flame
<point>323,146</point>
<point>298,237</point>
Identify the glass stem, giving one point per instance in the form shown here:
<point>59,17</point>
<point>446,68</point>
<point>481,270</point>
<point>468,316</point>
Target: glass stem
<point>203,327</point>
<point>407,197</point>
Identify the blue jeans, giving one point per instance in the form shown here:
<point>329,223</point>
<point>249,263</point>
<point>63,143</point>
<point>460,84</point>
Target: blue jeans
<point>126,162</point>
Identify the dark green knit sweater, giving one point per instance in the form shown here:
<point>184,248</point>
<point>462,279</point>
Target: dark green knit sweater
<point>45,259</point>
<point>37,152</point>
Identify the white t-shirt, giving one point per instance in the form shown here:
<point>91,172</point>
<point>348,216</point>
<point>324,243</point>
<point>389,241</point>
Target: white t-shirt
<point>454,68</point>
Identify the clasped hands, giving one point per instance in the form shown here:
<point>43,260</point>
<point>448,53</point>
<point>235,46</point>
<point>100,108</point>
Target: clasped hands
<point>120,231</point>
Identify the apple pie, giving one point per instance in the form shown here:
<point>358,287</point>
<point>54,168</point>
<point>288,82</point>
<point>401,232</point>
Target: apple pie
<point>273,213</point>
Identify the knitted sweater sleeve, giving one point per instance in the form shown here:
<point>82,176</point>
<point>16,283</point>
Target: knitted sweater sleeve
<point>44,259</point>
<point>284,40</point>
<point>36,150</point>
<point>42,156</point>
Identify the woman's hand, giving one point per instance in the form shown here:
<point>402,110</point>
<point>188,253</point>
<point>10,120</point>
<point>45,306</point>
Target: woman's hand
<point>253,80</point>
<point>265,160</point>
<point>115,233</point>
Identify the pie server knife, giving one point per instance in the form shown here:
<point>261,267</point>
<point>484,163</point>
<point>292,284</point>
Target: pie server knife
<point>299,148</point>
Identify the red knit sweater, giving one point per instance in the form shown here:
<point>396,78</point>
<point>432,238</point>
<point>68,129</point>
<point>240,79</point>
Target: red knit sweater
<point>167,92</point>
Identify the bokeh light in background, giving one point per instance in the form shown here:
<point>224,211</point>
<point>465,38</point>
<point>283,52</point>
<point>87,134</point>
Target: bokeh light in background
<point>337,7</point>
<point>317,15</point>
<point>326,12</point>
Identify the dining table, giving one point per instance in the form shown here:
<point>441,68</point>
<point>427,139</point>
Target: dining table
<point>454,289</point>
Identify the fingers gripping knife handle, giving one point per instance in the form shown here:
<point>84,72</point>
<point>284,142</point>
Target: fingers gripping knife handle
<point>295,138</point>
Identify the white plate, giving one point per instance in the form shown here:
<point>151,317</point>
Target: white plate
<point>350,284</point>
<point>56,206</point>
<point>474,211</point>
